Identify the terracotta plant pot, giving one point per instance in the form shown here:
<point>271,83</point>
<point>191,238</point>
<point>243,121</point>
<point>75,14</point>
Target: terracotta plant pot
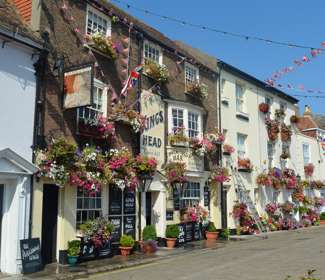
<point>322,222</point>
<point>211,235</point>
<point>125,251</point>
<point>171,242</point>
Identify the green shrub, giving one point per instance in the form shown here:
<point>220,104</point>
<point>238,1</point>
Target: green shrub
<point>126,241</point>
<point>211,227</point>
<point>74,248</point>
<point>224,234</point>
<point>172,231</point>
<point>149,233</point>
<point>322,216</point>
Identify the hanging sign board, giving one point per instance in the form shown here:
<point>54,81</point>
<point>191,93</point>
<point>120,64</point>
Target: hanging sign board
<point>115,201</point>
<point>30,250</point>
<point>129,202</point>
<point>78,87</point>
<point>117,223</point>
<point>129,225</point>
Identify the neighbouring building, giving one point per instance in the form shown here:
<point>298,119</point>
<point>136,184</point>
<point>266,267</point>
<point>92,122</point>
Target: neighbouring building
<point>186,103</point>
<point>19,52</point>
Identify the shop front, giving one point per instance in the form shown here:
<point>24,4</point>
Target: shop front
<point>15,181</point>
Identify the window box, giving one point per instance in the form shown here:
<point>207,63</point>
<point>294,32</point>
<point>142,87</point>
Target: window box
<point>101,44</point>
<point>157,72</point>
<point>197,90</point>
<point>245,165</point>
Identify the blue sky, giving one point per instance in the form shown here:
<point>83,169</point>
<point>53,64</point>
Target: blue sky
<point>301,22</point>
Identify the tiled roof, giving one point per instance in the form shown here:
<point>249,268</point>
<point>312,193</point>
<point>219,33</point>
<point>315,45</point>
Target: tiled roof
<point>11,21</point>
<point>320,120</point>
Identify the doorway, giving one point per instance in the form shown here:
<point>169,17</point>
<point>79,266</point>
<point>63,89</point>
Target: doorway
<point>49,223</point>
<point>148,208</point>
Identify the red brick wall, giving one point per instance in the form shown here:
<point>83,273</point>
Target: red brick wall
<point>25,8</point>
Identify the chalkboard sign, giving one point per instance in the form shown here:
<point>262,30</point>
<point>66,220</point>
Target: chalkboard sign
<point>115,201</point>
<point>87,250</point>
<point>30,250</point>
<point>169,215</point>
<point>129,203</point>
<point>181,236</point>
<point>116,234</point>
<point>197,231</point>
<point>189,232</point>
<point>129,225</point>
<point>206,196</point>
<point>176,199</point>
<point>106,250</point>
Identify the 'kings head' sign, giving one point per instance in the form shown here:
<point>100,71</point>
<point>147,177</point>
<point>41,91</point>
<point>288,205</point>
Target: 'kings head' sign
<point>152,138</point>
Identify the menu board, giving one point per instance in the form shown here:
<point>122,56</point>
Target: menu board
<point>197,231</point>
<point>129,203</point>
<point>116,234</point>
<point>169,215</point>
<point>206,195</point>
<point>129,225</point>
<point>115,201</point>
<point>189,232</point>
<point>176,199</point>
<point>181,236</point>
<point>31,255</point>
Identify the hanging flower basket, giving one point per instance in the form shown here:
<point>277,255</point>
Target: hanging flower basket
<point>264,108</point>
<point>272,127</point>
<point>294,119</point>
<point>101,43</point>
<point>202,146</point>
<point>228,149</point>
<point>219,175</point>
<point>264,180</point>
<point>99,128</point>
<point>175,172</point>
<point>145,165</point>
<point>287,208</point>
<point>286,133</point>
<point>271,208</point>
<point>215,137</point>
<point>156,71</point>
<point>309,169</point>
<point>317,184</point>
<point>285,155</point>
<point>245,165</point>
<point>198,90</point>
<point>279,114</point>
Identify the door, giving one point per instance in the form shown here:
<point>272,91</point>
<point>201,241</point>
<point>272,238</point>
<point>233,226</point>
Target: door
<point>148,208</point>
<point>49,223</point>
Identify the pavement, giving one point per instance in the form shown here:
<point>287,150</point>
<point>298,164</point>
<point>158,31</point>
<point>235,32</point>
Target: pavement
<point>250,257</point>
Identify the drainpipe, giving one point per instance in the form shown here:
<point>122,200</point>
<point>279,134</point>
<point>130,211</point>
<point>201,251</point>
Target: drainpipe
<point>223,201</point>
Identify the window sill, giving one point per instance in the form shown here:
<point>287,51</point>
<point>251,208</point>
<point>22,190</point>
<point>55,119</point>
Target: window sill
<point>93,49</point>
<point>242,115</point>
<point>225,100</point>
<point>245,170</point>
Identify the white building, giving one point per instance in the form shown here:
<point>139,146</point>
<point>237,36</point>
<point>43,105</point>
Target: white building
<point>17,107</point>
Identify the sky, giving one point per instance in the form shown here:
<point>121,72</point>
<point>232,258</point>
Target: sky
<point>294,21</point>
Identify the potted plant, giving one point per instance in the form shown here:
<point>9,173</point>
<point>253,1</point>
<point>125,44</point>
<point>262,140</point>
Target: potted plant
<point>219,175</point>
<point>211,232</point>
<point>244,165</point>
<point>322,218</point>
<point>73,251</point>
<point>126,244</point>
<point>175,172</point>
<point>228,149</point>
<point>225,233</point>
<point>149,243</point>
<point>172,233</point>
<point>264,108</point>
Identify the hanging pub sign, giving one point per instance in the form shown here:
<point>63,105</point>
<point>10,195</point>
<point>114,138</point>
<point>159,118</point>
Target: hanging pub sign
<point>78,86</point>
<point>30,250</point>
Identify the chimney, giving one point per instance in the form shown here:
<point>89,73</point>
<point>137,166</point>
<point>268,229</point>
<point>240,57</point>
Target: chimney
<point>25,9</point>
<point>307,111</point>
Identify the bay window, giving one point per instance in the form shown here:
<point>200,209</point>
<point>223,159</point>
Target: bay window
<point>193,125</point>
<point>191,194</point>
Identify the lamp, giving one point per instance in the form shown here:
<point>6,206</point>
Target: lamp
<point>145,181</point>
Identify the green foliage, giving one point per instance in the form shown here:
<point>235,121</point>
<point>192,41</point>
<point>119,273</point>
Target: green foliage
<point>149,233</point>
<point>310,276</point>
<point>62,152</point>
<point>172,231</point>
<point>74,248</point>
<point>322,216</point>
<point>224,234</point>
<point>211,227</point>
<point>126,241</point>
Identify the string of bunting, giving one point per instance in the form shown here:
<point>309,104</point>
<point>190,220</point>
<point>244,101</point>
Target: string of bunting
<point>223,32</point>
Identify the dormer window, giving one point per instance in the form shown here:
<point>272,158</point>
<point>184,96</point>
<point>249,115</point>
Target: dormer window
<point>152,52</point>
<point>98,22</point>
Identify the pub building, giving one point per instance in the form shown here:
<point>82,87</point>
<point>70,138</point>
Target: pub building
<point>58,210</point>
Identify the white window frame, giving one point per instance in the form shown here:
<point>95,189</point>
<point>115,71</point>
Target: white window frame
<point>239,145</point>
<point>95,199</point>
<point>191,200</point>
<point>267,97</point>
<point>240,99</point>
<point>154,46</point>
<point>102,16</point>
<point>283,106</point>
<point>303,153</point>
<point>186,111</point>
<point>194,69</point>
<point>270,153</point>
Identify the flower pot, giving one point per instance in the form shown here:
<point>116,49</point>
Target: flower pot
<point>322,222</point>
<point>211,235</point>
<point>125,251</point>
<point>171,242</point>
<point>72,260</point>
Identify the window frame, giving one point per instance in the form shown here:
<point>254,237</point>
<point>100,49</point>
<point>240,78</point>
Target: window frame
<point>242,108</point>
<point>188,65</point>
<point>101,15</point>
<point>270,156</point>
<point>186,110</point>
<point>154,46</point>
<point>303,153</point>
<point>244,145</point>
<point>189,201</point>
